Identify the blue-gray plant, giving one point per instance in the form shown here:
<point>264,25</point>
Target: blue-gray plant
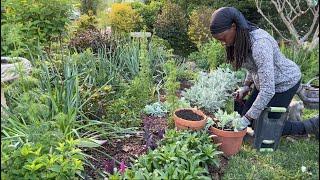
<point>156,109</point>
<point>212,90</point>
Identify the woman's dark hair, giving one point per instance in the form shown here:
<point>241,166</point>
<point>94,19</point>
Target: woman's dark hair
<point>222,20</point>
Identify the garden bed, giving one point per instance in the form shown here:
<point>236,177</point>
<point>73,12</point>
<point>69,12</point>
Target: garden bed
<point>130,147</point>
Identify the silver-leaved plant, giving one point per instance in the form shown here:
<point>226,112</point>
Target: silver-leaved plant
<point>227,121</point>
<point>156,109</point>
<point>211,91</point>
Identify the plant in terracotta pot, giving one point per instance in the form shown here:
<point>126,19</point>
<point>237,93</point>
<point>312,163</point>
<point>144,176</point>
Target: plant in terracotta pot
<point>225,127</point>
<point>211,93</point>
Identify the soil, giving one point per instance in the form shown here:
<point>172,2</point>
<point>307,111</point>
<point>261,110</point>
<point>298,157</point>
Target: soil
<point>189,115</point>
<point>127,148</point>
<point>217,173</point>
<point>119,149</point>
<point>185,84</point>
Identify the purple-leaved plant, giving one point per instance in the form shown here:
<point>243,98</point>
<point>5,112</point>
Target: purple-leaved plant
<point>109,165</point>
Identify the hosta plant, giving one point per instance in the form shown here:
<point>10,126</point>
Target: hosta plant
<point>212,91</point>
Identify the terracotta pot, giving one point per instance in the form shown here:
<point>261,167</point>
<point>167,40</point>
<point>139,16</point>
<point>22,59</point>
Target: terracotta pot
<point>230,141</point>
<point>187,124</point>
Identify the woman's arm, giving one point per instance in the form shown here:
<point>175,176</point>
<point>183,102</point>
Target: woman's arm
<point>248,81</point>
<point>262,53</point>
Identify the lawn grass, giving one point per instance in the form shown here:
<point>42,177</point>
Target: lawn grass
<point>285,163</point>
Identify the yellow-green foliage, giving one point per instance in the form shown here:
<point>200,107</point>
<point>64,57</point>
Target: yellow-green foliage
<point>87,21</point>
<point>199,27</point>
<point>123,18</point>
<point>84,23</point>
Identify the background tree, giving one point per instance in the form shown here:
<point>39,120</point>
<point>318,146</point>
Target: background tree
<point>291,12</point>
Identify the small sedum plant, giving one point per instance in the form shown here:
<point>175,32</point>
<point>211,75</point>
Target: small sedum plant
<point>226,121</point>
<point>211,91</point>
<point>156,109</point>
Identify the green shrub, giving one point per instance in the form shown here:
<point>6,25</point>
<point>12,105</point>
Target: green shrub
<point>31,161</point>
<point>199,26</point>
<point>149,13</point>
<point>190,5</point>
<point>306,60</point>
<point>210,55</point>
<point>35,22</point>
<point>123,18</point>
<point>85,22</point>
<point>247,7</point>
<point>182,155</point>
<point>172,25</point>
<point>89,5</point>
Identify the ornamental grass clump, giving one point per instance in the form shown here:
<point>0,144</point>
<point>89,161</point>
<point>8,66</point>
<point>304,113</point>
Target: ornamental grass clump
<point>212,90</point>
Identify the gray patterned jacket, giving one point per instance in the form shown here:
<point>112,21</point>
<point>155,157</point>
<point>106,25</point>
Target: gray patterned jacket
<point>269,70</point>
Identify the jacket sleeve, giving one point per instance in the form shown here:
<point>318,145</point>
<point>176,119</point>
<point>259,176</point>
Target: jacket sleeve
<point>262,53</point>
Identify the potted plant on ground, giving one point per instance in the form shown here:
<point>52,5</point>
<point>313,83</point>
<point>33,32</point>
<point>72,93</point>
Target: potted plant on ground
<point>211,93</point>
<point>226,127</point>
<point>189,118</point>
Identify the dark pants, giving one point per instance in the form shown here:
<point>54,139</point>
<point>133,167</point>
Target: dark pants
<point>279,100</point>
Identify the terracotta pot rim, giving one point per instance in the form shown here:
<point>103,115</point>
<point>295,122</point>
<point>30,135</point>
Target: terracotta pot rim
<point>196,111</point>
<point>222,133</point>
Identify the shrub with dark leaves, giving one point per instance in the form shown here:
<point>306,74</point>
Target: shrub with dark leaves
<point>91,38</point>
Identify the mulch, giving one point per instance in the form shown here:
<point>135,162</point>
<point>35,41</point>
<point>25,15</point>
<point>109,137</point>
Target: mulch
<point>126,149</point>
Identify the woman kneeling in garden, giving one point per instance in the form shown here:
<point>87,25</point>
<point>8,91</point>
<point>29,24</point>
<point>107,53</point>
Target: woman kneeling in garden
<point>276,79</point>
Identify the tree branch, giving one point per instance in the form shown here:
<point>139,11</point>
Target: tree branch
<point>290,26</point>
<point>314,22</point>
<point>315,39</point>
<point>265,17</point>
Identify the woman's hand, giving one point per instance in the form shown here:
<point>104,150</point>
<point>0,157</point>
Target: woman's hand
<point>244,123</point>
<point>241,93</point>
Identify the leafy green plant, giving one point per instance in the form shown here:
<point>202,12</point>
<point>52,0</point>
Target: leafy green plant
<point>182,155</point>
<point>149,12</point>
<point>141,86</point>
<point>85,22</point>
<point>307,61</point>
<point>227,121</point>
<point>189,6</point>
<point>210,55</point>
<point>89,5</point>
<point>198,29</point>
<point>30,161</point>
<point>211,91</point>
<point>123,18</point>
<point>126,109</point>
<point>172,25</point>
<point>156,109</point>
<point>39,22</point>
<point>171,85</point>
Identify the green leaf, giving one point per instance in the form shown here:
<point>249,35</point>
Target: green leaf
<point>89,143</point>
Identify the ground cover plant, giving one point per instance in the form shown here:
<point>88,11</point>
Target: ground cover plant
<point>99,103</point>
